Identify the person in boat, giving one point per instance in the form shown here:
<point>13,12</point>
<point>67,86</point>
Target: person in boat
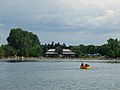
<point>82,65</point>
<point>86,65</point>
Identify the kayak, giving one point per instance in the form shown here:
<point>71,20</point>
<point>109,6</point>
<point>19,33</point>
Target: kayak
<point>89,67</point>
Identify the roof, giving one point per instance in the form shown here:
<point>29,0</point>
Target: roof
<point>68,53</point>
<point>50,53</point>
<point>66,50</point>
<point>51,50</point>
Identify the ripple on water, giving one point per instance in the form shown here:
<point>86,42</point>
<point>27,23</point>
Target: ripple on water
<point>58,76</point>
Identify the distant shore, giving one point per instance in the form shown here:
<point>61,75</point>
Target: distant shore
<point>44,59</point>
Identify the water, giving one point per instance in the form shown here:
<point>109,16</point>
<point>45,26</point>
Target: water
<point>59,76</point>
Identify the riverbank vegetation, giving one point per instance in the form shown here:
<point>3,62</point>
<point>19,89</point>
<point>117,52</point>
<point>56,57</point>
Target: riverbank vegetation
<point>21,43</point>
<point>26,44</point>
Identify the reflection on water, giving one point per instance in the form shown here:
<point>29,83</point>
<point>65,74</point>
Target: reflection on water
<point>58,76</point>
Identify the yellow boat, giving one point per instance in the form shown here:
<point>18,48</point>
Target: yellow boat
<point>88,67</point>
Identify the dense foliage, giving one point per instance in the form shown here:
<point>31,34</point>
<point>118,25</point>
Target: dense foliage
<point>2,52</point>
<point>27,44</point>
<point>110,50</point>
<point>21,43</point>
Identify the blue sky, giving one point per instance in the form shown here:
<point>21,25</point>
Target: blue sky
<point>72,22</point>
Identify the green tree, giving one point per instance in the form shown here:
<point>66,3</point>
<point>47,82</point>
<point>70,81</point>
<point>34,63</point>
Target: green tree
<point>22,41</point>
<point>103,49</point>
<point>83,49</point>
<point>64,45</point>
<point>59,50</point>
<point>117,52</point>
<point>111,54</point>
<point>2,52</point>
<point>76,49</point>
<point>8,51</point>
<point>36,51</point>
<point>114,47</point>
<point>91,49</point>
<point>44,49</point>
<point>113,43</point>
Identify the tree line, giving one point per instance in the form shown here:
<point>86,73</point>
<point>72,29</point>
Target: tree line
<point>27,44</point>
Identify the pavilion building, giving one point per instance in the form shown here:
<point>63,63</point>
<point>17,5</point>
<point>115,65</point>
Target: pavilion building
<point>64,53</point>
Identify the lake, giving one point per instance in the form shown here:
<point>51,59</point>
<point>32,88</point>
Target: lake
<point>59,76</point>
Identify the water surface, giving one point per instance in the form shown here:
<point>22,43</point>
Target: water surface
<point>59,76</point>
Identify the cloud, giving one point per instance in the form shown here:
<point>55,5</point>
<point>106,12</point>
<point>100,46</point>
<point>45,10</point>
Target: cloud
<point>86,19</point>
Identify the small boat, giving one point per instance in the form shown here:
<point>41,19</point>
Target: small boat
<point>88,67</point>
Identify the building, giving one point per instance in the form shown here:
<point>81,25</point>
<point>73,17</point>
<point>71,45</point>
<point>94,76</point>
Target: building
<point>68,53</point>
<point>63,53</point>
<point>51,53</point>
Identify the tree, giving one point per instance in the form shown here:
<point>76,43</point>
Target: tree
<point>59,50</point>
<point>64,45</point>
<point>36,51</point>
<point>57,44</point>
<point>117,52</point>
<point>91,49</point>
<point>103,49</point>
<point>76,49</point>
<point>114,48</point>
<point>44,49</point>
<point>8,50</point>
<point>52,45</point>
<point>83,49</point>
<point>113,43</point>
<point>22,41</point>
<point>2,52</point>
<point>111,54</point>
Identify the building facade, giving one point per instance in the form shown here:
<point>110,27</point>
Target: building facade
<point>63,53</point>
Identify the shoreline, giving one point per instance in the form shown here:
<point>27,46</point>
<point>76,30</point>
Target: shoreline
<point>44,59</point>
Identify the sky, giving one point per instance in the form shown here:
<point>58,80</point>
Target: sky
<point>72,22</point>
